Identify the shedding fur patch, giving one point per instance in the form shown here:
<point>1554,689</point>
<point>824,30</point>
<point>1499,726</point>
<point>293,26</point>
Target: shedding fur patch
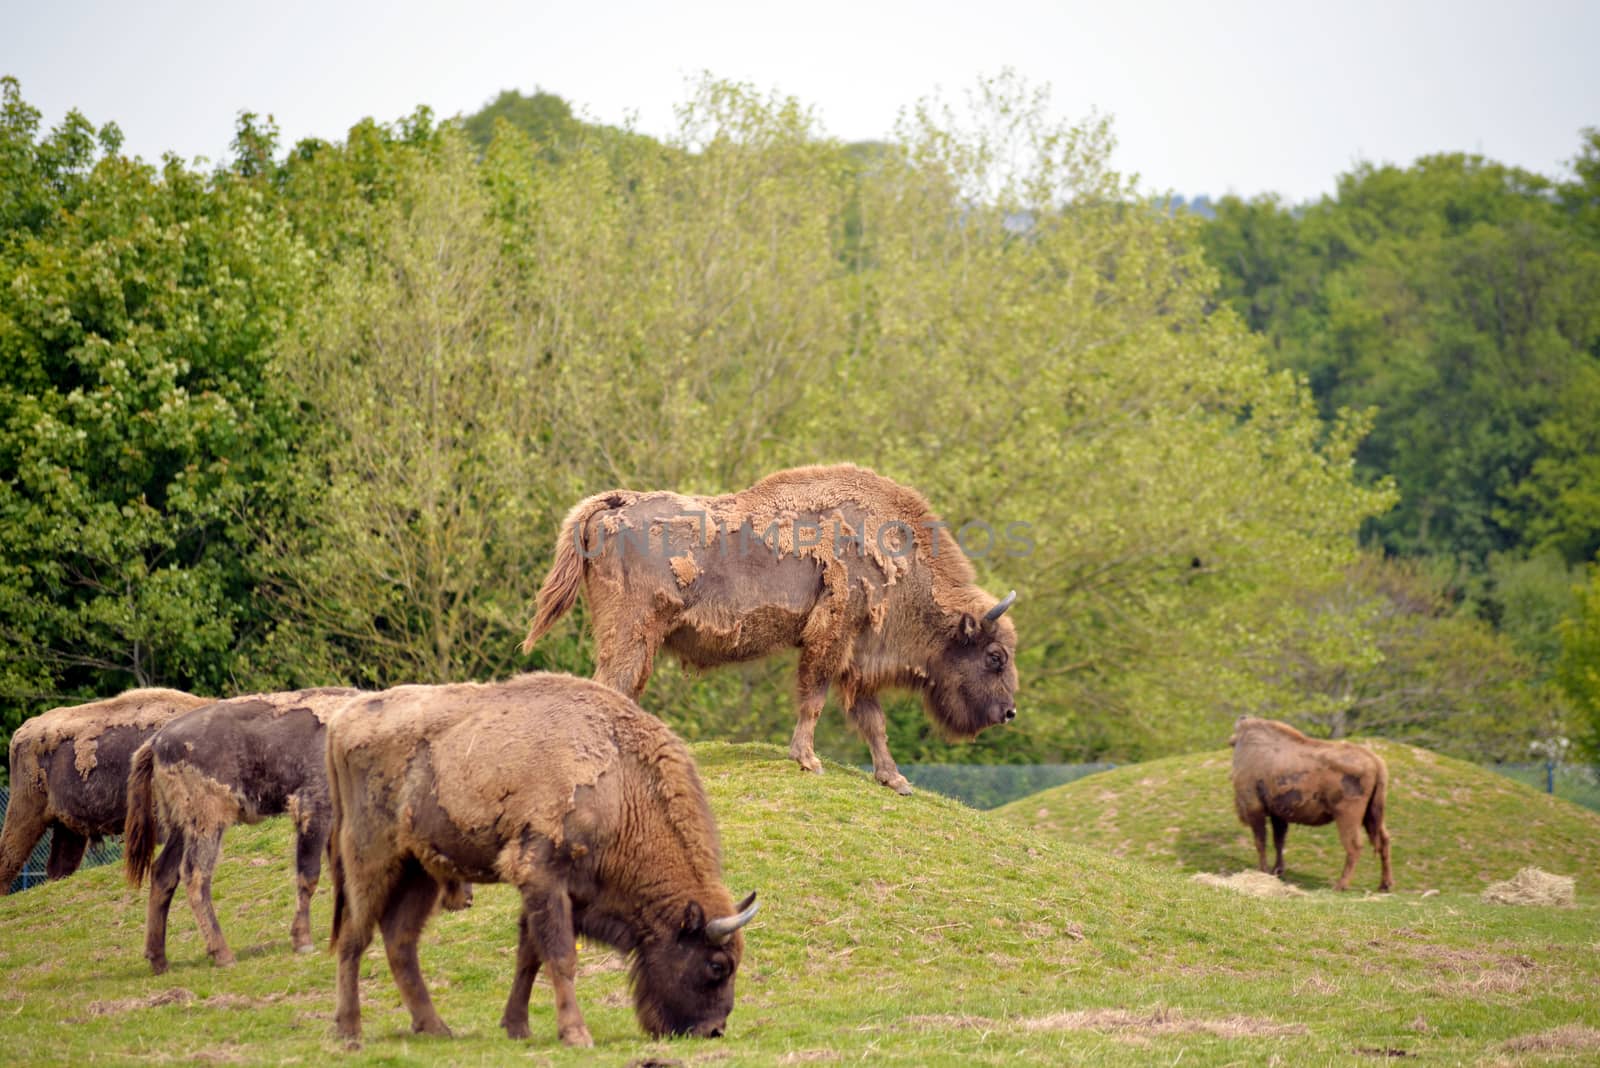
<point>83,724</point>
<point>685,570</point>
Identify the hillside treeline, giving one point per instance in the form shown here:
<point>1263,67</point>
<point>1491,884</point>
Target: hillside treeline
<point>314,416</point>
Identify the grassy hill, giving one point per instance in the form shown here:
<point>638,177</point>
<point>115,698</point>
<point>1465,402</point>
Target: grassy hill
<point>899,930</point>
<point>1454,826</point>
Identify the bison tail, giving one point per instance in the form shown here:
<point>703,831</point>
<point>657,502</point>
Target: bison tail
<point>1373,819</point>
<point>341,906</point>
<point>560,589</point>
<point>139,827</point>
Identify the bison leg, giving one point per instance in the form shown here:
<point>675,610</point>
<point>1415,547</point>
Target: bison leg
<point>201,850</point>
<point>1349,823</point>
<point>1257,822</point>
<point>1280,835</point>
<point>163,884</point>
<point>66,852</point>
<point>309,842</point>
<point>515,1018</point>
<point>812,693</point>
<point>626,669</point>
<point>867,715</point>
<point>26,821</point>
<point>1379,836</point>
<point>405,913</point>
<point>353,934</point>
<point>547,913</point>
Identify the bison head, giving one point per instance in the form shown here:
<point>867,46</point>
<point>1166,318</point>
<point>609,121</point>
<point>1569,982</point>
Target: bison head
<point>972,681</point>
<point>683,977</point>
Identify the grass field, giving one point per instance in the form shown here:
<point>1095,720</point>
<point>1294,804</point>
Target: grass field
<point>1455,826</point>
<point>894,930</point>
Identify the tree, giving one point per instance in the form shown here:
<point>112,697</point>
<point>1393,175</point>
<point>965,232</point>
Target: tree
<point>139,437</point>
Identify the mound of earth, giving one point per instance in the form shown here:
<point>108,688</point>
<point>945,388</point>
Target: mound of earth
<point>1455,826</point>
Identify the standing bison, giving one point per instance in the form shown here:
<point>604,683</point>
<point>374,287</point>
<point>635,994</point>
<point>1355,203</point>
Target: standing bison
<point>235,761</point>
<point>1281,775</point>
<point>850,568</point>
<point>69,774</point>
<point>561,787</point>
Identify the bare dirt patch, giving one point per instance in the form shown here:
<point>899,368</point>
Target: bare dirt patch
<point>174,996</point>
<point>1564,1039</point>
<point>1117,1021</point>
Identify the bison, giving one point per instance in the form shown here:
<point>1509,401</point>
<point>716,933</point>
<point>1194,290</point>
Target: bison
<point>851,568</point>
<point>69,775</point>
<point>561,787</point>
<point>1281,775</point>
<point>239,760</point>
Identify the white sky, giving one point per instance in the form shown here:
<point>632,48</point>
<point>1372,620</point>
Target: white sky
<point>1217,97</point>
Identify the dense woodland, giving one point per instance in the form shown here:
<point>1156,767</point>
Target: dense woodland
<point>313,414</point>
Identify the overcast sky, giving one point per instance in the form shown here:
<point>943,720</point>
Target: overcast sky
<point>1207,97</point>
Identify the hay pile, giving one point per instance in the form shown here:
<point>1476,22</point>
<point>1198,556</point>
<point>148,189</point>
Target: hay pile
<point>1253,883</point>
<point>1530,886</point>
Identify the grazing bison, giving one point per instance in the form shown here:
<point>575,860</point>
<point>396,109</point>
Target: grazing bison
<point>69,774</point>
<point>850,568</point>
<point>561,787</point>
<point>239,760</point>
<point>1281,775</point>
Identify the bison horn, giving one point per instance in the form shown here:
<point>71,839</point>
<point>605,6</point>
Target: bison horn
<point>721,929</point>
<point>1000,609</point>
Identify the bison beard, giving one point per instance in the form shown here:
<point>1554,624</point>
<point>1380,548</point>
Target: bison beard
<point>1281,775</point>
<point>560,787</point>
<point>843,564</point>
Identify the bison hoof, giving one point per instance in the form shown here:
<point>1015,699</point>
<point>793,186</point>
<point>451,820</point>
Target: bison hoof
<point>897,783</point>
<point>808,761</point>
<point>225,959</point>
<point>577,1036</point>
<point>158,966</point>
<point>516,1030</point>
<point>305,947</point>
<point>434,1026</point>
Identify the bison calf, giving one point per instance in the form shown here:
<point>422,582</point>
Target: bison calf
<point>239,760</point>
<point>1281,775</point>
<point>69,775</point>
<point>566,790</point>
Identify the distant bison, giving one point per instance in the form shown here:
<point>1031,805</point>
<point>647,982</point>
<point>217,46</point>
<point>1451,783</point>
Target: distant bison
<point>849,567</point>
<point>234,761</point>
<point>1281,775</point>
<point>69,775</point>
<point>561,787</point>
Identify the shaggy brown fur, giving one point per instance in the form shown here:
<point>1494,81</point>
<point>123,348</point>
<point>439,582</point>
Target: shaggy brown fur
<point>560,787</point>
<point>232,761</point>
<point>1281,775</point>
<point>858,576</point>
<point>69,775</point>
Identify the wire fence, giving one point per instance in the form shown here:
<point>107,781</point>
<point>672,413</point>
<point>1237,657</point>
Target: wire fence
<point>104,851</point>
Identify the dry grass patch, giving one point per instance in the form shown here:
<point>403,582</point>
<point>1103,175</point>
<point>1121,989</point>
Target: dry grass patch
<point>1531,886</point>
<point>175,996</point>
<point>1252,884</point>
<point>1568,1038</point>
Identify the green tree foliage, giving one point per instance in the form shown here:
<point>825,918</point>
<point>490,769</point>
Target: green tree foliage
<point>353,390</point>
<point>1578,669</point>
<point>140,434</point>
<point>1458,299</point>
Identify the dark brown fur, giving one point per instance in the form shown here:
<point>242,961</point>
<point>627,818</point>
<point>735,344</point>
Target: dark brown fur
<point>69,775</point>
<point>558,786</point>
<point>1281,775</point>
<point>864,619</point>
<point>234,761</point>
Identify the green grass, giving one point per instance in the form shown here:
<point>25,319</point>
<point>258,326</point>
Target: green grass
<point>895,930</point>
<point>1454,826</point>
